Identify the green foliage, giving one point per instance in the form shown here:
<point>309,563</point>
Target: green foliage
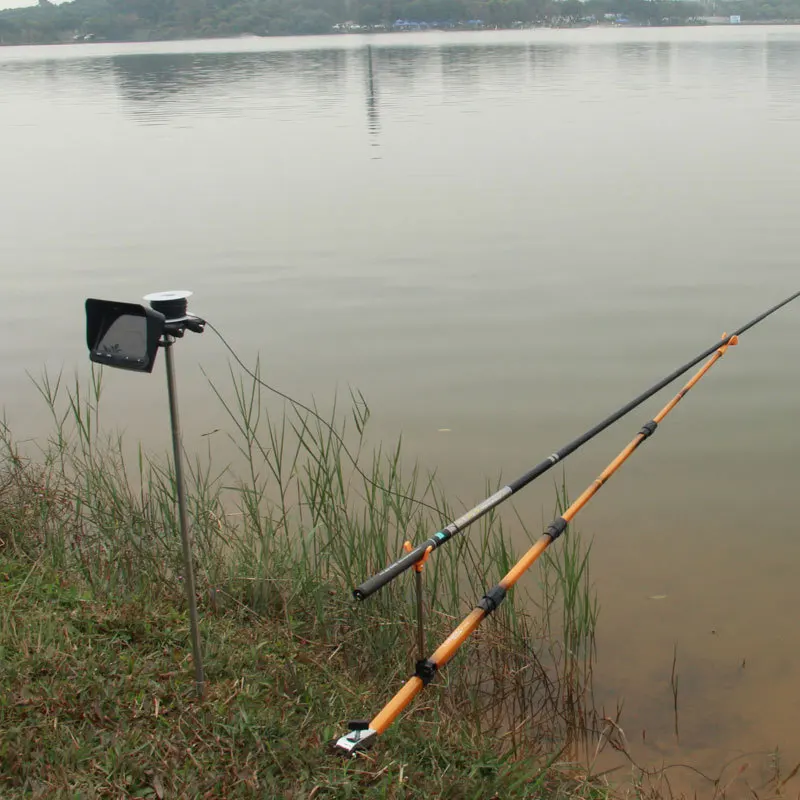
<point>129,20</point>
<point>762,10</point>
<point>95,703</point>
<point>278,545</point>
<point>644,12</point>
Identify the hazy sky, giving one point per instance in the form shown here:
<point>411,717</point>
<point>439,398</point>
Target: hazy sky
<point>17,3</point>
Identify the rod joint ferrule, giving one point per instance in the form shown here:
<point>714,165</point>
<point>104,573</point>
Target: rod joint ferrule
<point>556,528</point>
<point>426,670</point>
<point>492,599</point>
<point>648,429</point>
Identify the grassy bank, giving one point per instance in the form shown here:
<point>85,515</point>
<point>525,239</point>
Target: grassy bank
<point>96,703</point>
<point>96,681</point>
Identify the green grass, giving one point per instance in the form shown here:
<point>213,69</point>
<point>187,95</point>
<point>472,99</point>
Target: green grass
<point>93,622</point>
<point>96,703</point>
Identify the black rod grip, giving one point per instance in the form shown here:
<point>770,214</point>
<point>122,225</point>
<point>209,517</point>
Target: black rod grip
<point>371,585</point>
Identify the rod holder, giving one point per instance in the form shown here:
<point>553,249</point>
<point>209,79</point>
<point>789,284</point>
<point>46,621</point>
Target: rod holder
<point>418,566</point>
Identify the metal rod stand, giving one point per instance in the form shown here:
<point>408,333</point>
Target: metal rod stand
<point>420,605</point>
<point>188,569</point>
<point>420,615</point>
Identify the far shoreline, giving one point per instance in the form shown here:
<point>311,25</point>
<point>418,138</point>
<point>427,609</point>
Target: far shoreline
<point>400,34</point>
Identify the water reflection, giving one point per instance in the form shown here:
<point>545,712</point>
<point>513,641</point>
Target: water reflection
<point>663,51</point>
<point>783,78</point>
<point>635,65</point>
<point>159,85</point>
<point>544,60</point>
<point>51,73</point>
<point>373,111</point>
<point>460,67</point>
<point>402,67</point>
<point>467,70</point>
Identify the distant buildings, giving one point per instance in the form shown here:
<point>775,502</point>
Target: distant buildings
<point>401,25</point>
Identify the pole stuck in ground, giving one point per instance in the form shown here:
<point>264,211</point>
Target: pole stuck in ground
<point>183,517</point>
<point>128,336</point>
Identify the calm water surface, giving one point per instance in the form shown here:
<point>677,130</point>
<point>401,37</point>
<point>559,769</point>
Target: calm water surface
<point>506,235</point>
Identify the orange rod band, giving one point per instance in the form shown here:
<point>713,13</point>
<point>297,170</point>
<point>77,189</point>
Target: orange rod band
<point>602,478</point>
<point>396,705</point>
<point>696,377</point>
<point>525,563</point>
<point>450,646</point>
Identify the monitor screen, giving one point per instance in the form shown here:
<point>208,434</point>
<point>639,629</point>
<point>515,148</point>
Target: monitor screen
<point>124,340</point>
<point>123,335</point>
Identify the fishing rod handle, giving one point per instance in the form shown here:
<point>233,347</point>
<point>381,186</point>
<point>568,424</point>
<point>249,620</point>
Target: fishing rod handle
<point>371,585</point>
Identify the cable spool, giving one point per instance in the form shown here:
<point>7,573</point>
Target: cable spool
<point>172,304</point>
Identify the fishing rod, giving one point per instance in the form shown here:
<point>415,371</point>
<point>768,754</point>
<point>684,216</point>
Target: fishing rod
<point>362,732</point>
<point>389,573</point>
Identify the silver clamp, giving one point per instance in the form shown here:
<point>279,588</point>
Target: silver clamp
<point>356,740</point>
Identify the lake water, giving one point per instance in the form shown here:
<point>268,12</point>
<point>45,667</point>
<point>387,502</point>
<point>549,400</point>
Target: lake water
<point>502,234</point>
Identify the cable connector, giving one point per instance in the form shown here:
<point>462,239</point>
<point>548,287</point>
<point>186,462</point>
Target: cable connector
<point>556,528</point>
<point>492,599</point>
<point>426,670</point>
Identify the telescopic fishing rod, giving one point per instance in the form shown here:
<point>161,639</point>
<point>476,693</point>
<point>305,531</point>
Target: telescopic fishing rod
<point>362,733</point>
<point>371,585</point>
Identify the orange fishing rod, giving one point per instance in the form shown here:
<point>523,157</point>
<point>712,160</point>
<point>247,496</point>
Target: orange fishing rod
<point>362,733</point>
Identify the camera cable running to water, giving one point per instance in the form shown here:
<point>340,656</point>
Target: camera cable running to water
<point>362,733</point>
<point>297,404</point>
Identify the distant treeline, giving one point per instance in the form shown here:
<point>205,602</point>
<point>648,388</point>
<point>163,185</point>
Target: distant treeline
<point>142,20</point>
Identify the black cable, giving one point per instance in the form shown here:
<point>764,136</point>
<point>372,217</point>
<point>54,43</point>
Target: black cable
<point>297,404</point>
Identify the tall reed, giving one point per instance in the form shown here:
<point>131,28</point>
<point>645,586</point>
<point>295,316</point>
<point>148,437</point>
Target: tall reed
<point>290,530</point>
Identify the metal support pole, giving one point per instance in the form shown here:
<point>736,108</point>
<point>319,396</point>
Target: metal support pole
<point>407,546</point>
<point>420,616</point>
<point>183,516</point>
